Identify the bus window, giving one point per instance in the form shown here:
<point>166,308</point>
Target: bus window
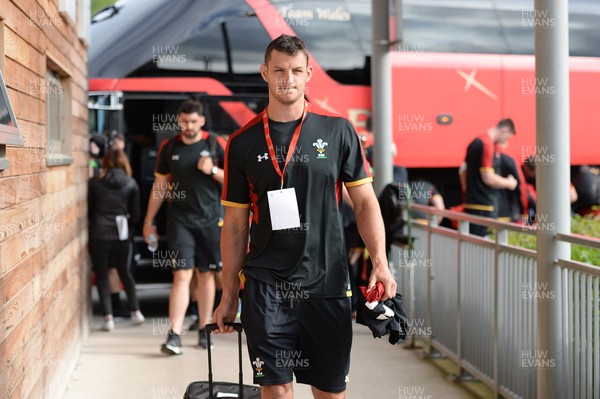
<point>203,52</point>
<point>496,27</point>
<point>248,39</point>
<point>584,34</point>
<point>331,32</point>
<point>453,30</point>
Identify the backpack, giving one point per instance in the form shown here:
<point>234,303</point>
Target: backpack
<point>393,204</point>
<point>587,184</point>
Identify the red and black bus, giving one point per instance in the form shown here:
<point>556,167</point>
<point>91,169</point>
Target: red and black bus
<point>463,66</point>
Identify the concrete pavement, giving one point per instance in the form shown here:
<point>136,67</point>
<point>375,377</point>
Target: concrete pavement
<point>127,363</point>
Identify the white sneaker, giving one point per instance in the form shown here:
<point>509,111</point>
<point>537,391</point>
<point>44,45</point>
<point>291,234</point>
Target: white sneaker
<point>137,318</point>
<point>108,325</point>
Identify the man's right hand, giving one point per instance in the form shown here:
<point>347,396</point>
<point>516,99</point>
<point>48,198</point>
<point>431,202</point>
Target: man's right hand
<point>148,230</point>
<point>225,313</point>
<point>512,182</point>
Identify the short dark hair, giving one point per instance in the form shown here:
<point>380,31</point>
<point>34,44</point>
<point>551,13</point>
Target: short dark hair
<point>190,106</point>
<point>286,44</point>
<point>507,122</point>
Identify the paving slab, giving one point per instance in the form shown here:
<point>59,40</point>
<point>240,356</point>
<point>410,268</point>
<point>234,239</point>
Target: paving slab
<point>127,363</point>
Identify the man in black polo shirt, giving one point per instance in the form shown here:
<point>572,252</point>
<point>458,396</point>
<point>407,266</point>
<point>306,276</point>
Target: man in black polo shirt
<point>483,180</point>
<point>286,168</point>
<point>188,179</point>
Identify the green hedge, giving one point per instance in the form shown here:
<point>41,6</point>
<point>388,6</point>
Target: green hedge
<point>98,5</point>
<point>583,225</point>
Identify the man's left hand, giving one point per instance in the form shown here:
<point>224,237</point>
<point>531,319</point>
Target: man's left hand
<point>383,274</point>
<point>205,165</point>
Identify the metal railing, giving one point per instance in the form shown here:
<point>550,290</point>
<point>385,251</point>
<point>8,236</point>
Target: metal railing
<point>474,301</point>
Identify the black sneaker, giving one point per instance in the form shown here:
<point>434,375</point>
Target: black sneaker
<point>202,340</point>
<point>194,326</point>
<point>173,344</point>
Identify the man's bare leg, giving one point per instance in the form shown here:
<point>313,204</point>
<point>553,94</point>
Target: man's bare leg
<point>193,289</point>
<point>205,295</point>
<point>318,394</point>
<point>282,391</point>
<point>179,298</point>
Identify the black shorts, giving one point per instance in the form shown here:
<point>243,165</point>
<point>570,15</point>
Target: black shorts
<point>476,229</point>
<point>199,247</point>
<point>289,333</point>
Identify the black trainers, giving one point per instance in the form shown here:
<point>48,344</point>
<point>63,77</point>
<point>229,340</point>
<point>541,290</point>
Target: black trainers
<point>194,326</point>
<point>173,344</point>
<point>202,340</point>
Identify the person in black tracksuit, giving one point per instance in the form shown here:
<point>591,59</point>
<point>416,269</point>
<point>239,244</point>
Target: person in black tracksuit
<point>111,194</point>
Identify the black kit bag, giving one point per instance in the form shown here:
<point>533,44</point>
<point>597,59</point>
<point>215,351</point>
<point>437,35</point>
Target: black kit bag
<point>217,390</point>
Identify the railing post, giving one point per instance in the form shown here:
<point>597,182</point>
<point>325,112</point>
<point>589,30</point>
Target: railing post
<point>463,229</point>
<point>432,222</point>
<point>381,93</point>
<point>552,176</point>
<point>501,239</point>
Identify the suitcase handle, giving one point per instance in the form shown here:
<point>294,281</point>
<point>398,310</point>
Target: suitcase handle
<point>238,328</point>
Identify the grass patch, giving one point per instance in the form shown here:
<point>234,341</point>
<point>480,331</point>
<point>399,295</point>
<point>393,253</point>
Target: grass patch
<point>584,225</point>
<point>98,5</point>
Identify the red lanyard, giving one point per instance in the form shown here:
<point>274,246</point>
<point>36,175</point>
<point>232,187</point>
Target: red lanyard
<point>293,143</point>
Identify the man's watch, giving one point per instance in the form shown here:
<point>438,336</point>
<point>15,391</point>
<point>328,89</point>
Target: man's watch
<point>214,170</point>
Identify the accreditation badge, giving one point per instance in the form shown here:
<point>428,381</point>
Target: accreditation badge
<point>283,207</point>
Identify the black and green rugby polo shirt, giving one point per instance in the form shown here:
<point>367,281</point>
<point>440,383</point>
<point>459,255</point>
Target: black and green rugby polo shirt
<point>312,257</point>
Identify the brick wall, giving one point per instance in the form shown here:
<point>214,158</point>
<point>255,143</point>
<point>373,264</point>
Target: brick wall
<point>44,307</point>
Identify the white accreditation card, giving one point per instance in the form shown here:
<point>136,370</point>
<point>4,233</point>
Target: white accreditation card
<point>283,207</point>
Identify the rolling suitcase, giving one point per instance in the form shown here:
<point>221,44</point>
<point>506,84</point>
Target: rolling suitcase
<point>216,390</point>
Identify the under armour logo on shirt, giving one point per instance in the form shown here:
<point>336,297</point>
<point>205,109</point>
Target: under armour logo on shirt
<point>263,157</point>
<point>175,157</point>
